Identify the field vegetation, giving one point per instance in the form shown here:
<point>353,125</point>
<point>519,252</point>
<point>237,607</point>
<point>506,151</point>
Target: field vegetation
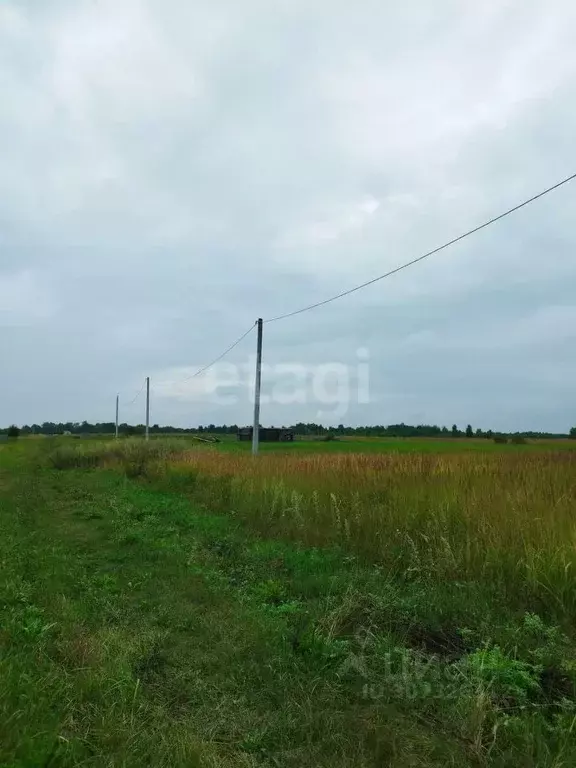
<point>177,604</point>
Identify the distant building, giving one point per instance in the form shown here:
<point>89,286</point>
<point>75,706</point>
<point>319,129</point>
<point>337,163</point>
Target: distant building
<point>266,434</point>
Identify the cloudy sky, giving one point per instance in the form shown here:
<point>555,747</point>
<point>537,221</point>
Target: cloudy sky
<point>170,171</point>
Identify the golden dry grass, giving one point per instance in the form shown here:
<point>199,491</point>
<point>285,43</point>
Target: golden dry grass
<point>506,517</point>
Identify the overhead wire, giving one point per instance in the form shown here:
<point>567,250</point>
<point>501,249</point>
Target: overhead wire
<point>425,255</point>
<point>138,395</point>
<point>204,368</point>
<point>391,272</point>
<point>220,357</point>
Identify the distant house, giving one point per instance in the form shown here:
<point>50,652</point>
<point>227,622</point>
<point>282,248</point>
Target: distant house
<point>266,434</point>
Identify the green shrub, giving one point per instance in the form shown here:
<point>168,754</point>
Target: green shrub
<point>71,457</point>
<point>134,456</point>
<point>505,679</point>
<point>13,432</point>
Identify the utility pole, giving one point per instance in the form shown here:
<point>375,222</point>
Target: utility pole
<point>117,405</point>
<point>256,429</point>
<point>147,407</point>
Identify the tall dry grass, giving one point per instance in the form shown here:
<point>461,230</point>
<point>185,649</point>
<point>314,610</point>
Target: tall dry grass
<point>505,518</point>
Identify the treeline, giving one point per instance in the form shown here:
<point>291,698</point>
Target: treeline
<point>301,428</point>
<point>99,428</point>
<point>421,430</point>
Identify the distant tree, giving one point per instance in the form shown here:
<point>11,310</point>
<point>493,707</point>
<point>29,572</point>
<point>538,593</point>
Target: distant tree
<point>573,433</point>
<point>309,429</point>
<point>13,431</point>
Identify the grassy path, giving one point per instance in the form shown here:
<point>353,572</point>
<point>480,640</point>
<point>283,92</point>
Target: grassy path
<point>136,632</point>
<point>137,629</point>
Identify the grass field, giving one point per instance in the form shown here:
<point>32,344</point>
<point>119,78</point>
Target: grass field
<point>397,445</point>
<point>354,603</point>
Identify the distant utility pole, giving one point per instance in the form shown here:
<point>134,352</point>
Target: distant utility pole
<point>256,429</point>
<point>147,407</point>
<point>117,404</point>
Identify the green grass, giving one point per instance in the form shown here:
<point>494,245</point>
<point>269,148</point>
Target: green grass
<point>149,619</point>
<point>398,445</point>
<point>344,444</point>
<point>504,519</point>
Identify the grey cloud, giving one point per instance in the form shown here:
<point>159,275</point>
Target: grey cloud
<point>171,172</point>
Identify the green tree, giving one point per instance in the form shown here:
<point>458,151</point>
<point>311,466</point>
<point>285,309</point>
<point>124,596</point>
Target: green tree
<point>573,433</point>
<point>13,431</point>
<point>454,430</point>
<point>469,431</point>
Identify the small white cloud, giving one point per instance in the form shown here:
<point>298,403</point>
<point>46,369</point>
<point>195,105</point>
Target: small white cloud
<point>342,220</point>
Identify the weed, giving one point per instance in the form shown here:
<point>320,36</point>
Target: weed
<point>510,681</point>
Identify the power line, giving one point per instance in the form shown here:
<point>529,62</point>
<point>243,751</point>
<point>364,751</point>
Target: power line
<point>375,279</point>
<point>226,351</point>
<point>205,368</point>
<point>138,395</point>
<point>426,255</point>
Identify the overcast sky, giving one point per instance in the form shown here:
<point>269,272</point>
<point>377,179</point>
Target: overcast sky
<point>170,171</point>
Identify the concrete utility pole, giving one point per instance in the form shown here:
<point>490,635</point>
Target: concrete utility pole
<point>256,429</point>
<point>147,407</point>
<point>117,405</point>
